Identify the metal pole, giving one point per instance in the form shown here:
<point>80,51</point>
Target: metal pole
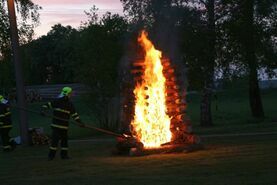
<point>20,90</point>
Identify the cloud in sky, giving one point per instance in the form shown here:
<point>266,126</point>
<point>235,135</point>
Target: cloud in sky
<point>70,12</point>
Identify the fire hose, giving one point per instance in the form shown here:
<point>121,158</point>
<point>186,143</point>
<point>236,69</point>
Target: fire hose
<point>75,122</point>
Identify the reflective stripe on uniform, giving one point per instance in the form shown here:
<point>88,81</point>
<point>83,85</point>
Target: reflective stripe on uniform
<point>75,114</point>
<point>4,115</point>
<point>49,105</point>
<point>6,147</point>
<point>59,126</point>
<point>63,148</point>
<point>6,126</point>
<point>45,106</point>
<point>62,110</point>
<point>53,148</point>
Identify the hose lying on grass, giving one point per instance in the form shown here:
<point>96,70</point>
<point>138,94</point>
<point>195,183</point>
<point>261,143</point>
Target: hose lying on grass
<point>107,132</point>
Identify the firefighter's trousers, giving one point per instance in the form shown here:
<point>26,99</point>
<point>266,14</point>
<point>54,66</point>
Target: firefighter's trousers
<point>7,141</point>
<point>58,134</point>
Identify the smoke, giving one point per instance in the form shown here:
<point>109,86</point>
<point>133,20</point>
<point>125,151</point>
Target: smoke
<point>164,27</point>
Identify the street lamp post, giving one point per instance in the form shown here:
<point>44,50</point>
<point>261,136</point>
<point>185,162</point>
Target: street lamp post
<point>20,90</point>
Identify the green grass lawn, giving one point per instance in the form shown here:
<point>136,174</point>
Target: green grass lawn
<point>240,160</point>
<point>224,161</point>
<point>233,114</point>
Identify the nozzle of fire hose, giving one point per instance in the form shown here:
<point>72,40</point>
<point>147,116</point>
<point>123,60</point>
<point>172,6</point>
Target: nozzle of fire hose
<point>127,136</point>
<point>123,137</point>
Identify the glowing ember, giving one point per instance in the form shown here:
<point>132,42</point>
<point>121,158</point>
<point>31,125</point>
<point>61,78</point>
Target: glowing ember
<point>151,124</point>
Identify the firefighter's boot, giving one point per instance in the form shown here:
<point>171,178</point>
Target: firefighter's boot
<point>64,153</point>
<point>52,153</point>
<point>12,144</point>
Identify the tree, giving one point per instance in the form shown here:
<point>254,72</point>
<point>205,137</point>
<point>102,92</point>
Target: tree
<point>249,43</point>
<point>29,18</point>
<point>50,57</point>
<point>251,34</point>
<point>249,48</point>
<point>209,66</point>
<point>98,50</point>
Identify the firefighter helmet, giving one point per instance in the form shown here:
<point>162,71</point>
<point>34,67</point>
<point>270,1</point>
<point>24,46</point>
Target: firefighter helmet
<point>3,100</point>
<point>66,91</point>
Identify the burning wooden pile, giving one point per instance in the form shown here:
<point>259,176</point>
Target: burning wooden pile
<point>159,123</point>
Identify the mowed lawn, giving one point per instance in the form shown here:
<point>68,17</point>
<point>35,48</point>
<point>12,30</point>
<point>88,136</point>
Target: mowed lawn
<point>247,160</point>
<point>227,160</point>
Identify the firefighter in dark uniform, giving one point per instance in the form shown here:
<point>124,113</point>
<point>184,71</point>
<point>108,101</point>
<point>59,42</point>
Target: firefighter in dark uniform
<point>6,125</point>
<point>64,109</point>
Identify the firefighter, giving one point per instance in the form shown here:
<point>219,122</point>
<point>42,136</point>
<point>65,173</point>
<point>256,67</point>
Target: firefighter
<point>62,108</point>
<point>6,125</point>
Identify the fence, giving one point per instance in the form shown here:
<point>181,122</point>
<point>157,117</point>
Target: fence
<point>52,91</point>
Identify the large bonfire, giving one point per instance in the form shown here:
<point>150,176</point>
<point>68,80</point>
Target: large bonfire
<point>151,124</point>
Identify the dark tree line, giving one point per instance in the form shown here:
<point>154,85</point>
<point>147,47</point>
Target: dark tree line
<point>232,38</point>
<point>29,18</point>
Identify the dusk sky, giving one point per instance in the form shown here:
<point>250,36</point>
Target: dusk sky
<point>70,12</point>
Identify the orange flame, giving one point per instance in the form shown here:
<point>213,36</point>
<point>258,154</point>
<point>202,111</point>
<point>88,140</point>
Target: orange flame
<point>151,124</point>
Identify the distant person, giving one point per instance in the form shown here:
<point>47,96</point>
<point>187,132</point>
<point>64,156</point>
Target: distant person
<point>63,109</point>
<point>6,125</point>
